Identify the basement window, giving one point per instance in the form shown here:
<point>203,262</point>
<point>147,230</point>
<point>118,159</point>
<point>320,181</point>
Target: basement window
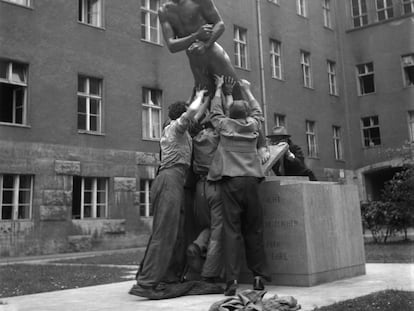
<point>90,197</point>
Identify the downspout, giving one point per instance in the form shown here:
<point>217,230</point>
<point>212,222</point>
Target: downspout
<point>262,74</point>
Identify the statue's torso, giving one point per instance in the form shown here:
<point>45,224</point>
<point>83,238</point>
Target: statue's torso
<point>185,17</point>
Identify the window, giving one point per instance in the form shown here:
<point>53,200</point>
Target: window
<point>366,78</point>
<point>91,12</point>
<point>275,59</point>
<point>337,141</point>
<point>359,12</point>
<point>150,26</point>
<point>332,78</point>
<point>306,69</point>
<point>145,205</point>
<point>371,131</point>
<point>408,6</point>
<point>280,120</point>
<point>16,197</point>
<point>411,124</point>
<point>13,92</point>
<point>20,2</point>
<point>90,197</point>
<point>151,113</point>
<point>408,68</point>
<point>240,47</point>
<point>89,104</point>
<point>301,7</point>
<point>326,8</point>
<point>311,139</point>
<point>385,9</point>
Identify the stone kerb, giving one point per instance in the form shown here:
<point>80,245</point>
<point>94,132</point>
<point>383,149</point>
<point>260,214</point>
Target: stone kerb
<point>312,231</point>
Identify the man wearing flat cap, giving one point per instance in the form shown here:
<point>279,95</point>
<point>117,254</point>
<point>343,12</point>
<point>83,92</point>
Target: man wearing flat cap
<point>294,161</point>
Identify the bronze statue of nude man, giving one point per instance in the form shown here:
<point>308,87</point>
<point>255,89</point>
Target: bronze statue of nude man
<point>194,26</point>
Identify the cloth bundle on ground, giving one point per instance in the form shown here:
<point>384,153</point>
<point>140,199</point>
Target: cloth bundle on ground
<point>252,300</point>
<point>165,291</point>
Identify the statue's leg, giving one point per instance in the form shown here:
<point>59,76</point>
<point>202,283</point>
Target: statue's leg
<point>220,64</point>
<point>199,68</point>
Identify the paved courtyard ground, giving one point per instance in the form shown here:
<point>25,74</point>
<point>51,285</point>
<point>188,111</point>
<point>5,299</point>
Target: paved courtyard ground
<point>115,296</point>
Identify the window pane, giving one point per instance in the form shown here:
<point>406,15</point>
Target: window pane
<point>8,181</point>
<point>81,84</point>
<point>23,212</point>
<point>154,5</point>
<point>87,184</point>
<point>94,87</point>
<point>6,212</point>
<point>3,69</point>
<point>24,197</point>
<point>81,121</point>
<point>93,123</point>
<point>101,186</point>
<point>7,196</point>
<point>101,197</point>
<point>94,108</point>
<point>18,73</point>
<point>87,197</point>
<point>87,211</point>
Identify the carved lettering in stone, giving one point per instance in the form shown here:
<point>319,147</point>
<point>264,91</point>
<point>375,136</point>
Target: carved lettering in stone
<point>279,256</point>
<point>277,223</point>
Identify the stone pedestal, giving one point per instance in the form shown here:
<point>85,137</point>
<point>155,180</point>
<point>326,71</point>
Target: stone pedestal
<point>313,231</point>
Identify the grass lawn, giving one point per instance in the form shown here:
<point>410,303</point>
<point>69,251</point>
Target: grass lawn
<point>122,258</point>
<point>24,279</point>
<point>392,252</point>
<point>389,300</point>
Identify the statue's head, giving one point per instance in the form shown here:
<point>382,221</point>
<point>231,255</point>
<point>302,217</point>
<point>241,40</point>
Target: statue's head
<point>239,109</point>
<point>177,109</point>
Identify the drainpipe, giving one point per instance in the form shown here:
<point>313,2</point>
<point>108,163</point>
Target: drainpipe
<point>262,75</point>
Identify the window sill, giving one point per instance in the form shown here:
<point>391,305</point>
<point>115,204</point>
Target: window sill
<point>371,147</point>
<point>30,7</point>
<point>366,94</point>
<point>15,125</point>
<point>329,28</point>
<point>279,79</point>
<point>152,42</point>
<point>242,68</point>
<point>151,139</point>
<point>92,26</point>
<point>334,95</point>
<point>274,3</point>
<point>313,158</point>
<point>16,220</point>
<point>90,133</point>
<point>311,88</point>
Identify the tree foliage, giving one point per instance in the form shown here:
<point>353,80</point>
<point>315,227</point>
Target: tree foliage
<point>395,211</point>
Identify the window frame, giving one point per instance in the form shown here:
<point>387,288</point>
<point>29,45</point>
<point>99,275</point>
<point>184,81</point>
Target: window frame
<point>410,116</point>
<point>17,85</point>
<point>301,8</point>
<point>279,120</point>
<point>88,97</point>
<point>332,78</point>
<point>406,80</point>
<point>306,66</point>
<point>151,108</point>
<point>276,59</point>
<point>147,204</point>
<point>311,139</point>
<point>241,52</point>
<point>16,204</point>
<point>367,129</point>
<point>337,142</point>
<point>94,204</point>
<point>387,9</point>
<point>28,3</point>
<point>84,13</point>
<point>362,16</point>
<point>146,24</point>
<point>327,16</point>
<point>405,4</point>
<point>361,76</point>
